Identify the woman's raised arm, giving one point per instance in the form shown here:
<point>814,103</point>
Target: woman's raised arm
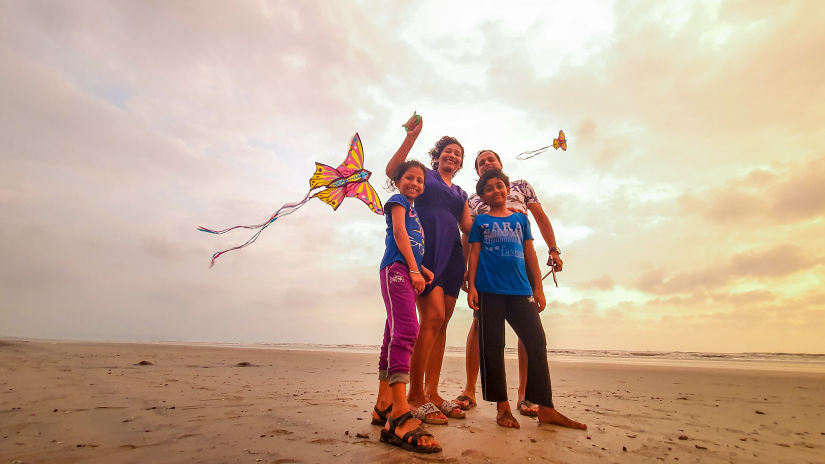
<point>413,126</point>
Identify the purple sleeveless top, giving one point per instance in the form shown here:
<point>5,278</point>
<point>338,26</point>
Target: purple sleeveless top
<point>439,209</point>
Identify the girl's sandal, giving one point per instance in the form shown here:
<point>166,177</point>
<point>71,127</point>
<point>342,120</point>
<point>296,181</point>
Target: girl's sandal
<point>424,412</point>
<point>452,410</point>
<point>410,440</point>
<point>382,415</point>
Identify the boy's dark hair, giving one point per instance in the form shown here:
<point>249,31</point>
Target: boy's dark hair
<point>491,174</point>
<point>475,163</point>
<point>392,182</point>
<point>442,143</point>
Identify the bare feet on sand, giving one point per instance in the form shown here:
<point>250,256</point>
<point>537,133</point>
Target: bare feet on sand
<point>504,417</point>
<point>551,416</point>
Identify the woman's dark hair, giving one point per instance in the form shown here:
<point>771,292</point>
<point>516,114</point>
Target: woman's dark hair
<point>475,163</point>
<point>491,174</point>
<point>392,182</point>
<point>435,152</point>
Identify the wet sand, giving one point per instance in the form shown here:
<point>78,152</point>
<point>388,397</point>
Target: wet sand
<point>66,402</point>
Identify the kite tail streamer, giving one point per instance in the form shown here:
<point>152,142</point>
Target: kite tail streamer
<point>529,154</point>
<point>285,210</point>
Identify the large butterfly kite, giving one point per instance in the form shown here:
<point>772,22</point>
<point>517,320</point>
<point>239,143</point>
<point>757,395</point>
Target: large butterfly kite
<point>328,184</point>
<point>560,142</point>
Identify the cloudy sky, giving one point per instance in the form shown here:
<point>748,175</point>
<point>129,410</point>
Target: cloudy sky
<point>690,205</point>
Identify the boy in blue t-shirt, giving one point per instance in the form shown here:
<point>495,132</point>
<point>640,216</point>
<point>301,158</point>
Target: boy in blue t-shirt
<point>505,284</point>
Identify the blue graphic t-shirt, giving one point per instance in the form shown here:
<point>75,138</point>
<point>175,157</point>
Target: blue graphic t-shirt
<point>501,266</point>
<point>414,230</point>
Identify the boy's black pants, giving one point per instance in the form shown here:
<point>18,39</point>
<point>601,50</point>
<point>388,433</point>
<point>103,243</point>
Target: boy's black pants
<point>522,314</point>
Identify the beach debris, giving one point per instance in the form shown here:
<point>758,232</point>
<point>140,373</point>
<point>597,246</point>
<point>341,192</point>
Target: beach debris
<point>631,435</point>
<point>144,363</point>
<point>362,435</point>
<point>346,433</point>
<point>624,448</point>
<point>683,437</point>
<point>244,364</point>
<point>700,447</point>
<point>760,412</point>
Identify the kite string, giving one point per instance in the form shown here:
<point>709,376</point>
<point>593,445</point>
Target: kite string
<point>284,210</point>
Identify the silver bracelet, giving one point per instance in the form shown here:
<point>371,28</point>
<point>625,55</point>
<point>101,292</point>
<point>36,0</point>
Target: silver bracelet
<point>415,272</point>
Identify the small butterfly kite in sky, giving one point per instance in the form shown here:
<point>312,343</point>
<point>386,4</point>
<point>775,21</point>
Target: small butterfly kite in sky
<point>560,142</point>
<point>330,185</point>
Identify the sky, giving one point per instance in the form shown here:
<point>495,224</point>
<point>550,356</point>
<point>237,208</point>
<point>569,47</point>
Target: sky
<point>689,206</point>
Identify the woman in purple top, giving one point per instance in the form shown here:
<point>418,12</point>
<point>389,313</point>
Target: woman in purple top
<point>442,209</point>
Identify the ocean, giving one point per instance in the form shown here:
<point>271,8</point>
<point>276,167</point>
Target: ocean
<point>800,362</point>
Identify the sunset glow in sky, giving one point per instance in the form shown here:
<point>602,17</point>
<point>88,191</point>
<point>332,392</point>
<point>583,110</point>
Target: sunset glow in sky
<point>690,205</point>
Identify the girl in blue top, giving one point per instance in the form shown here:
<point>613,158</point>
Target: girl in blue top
<point>402,279</point>
<point>505,284</point>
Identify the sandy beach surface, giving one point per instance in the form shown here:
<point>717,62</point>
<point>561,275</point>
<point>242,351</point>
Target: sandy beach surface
<point>66,402</point>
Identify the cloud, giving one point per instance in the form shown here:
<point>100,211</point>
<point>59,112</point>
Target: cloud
<point>604,282</point>
<point>789,193</point>
<point>779,261</point>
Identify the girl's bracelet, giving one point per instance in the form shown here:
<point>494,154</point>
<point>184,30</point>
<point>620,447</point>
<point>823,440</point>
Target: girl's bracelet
<point>415,272</point>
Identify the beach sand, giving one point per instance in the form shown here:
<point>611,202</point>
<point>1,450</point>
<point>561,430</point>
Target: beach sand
<point>66,402</point>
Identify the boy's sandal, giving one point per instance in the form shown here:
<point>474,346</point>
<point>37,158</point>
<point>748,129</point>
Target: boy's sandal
<point>525,408</point>
<point>410,441</point>
<point>464,402</point>
<point>382,415</point>
<point>424,410</point>
<point>452,409</point>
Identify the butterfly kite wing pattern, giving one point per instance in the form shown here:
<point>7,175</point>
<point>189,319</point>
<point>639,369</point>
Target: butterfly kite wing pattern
<point>332,196</point>
<point>323,176</point>
<point>355,158</point>
<point>364,192</point>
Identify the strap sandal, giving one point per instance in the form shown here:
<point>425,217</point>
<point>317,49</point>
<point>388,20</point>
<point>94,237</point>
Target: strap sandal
<point>411,440</point>
<point>465,402</point>
<point>528,408</point>
<point>382,415</point>
<point>426,409</point>
<point>452,409</point>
